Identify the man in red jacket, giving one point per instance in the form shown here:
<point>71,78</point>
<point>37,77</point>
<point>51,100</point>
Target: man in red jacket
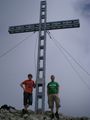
<point>28,86</point>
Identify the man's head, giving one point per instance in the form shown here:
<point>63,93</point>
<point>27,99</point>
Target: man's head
<point>52,78</point>
<point>30,76</point>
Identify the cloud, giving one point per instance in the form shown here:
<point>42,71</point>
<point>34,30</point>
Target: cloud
<point>83,7</point>
<point>86,8</point>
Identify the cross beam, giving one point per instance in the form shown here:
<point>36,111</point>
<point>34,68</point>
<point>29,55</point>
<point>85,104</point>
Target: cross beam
<point>49,26</point>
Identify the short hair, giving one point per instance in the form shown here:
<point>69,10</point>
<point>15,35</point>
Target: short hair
<point>30,75</point>
<point>52,76</point>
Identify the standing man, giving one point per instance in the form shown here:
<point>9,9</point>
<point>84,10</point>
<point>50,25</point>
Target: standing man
<point>52,92</point>
<point>28,86</point>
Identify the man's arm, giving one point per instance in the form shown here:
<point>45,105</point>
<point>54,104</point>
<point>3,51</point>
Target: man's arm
<point>22,86</point>
<point>47,89</point>
<point>34,84</point>
<point>58,87</point>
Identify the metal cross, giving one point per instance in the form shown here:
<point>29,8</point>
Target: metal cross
<point>42,27</point>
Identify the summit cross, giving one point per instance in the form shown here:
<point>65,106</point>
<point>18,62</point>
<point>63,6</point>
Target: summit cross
<point>42,27</point>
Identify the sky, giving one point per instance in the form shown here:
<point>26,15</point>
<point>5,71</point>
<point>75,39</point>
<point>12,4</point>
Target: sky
<point>18,53</point>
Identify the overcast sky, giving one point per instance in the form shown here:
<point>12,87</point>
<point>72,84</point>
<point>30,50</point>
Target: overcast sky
<point>17,60</point>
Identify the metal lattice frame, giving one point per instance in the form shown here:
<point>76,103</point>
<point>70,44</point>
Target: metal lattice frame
<point>41,61</point>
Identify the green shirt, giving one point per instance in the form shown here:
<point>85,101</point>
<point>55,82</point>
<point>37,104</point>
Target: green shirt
<point>53,88</point>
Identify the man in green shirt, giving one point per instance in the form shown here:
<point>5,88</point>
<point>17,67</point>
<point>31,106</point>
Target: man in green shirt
<point>52,92</point>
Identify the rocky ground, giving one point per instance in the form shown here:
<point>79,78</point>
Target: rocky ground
<point>10,113</point>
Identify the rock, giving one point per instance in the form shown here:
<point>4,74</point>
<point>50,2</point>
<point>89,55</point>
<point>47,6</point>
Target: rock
<point>25,116</point>
<point>4,107</point>
<point>10,113</point>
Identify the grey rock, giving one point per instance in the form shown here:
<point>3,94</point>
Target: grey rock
<point>13,114</point>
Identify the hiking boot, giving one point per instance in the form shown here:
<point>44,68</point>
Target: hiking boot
<point>24,111</point>
<point>52,116</point>
<point>57,115</point>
